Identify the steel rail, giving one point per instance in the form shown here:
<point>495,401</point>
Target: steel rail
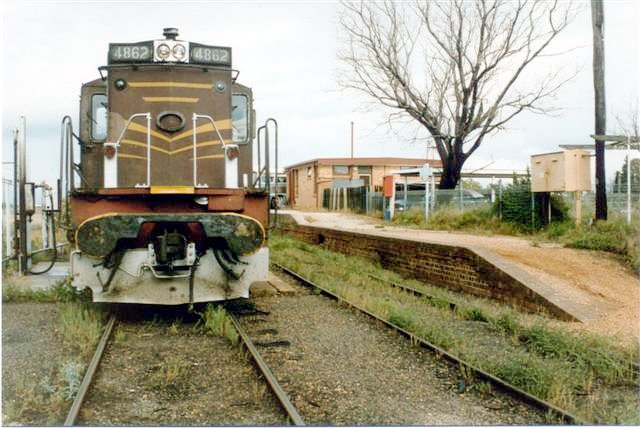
<point>525,396</point>
<point>268,375</point>
<point>635,367</point>
<point>88,376</point>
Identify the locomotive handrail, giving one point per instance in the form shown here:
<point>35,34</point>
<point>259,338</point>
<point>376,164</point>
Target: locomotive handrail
<point>260,168</point>
<point>66,182</point>
<point>147,115</point>
<point>194,119</point>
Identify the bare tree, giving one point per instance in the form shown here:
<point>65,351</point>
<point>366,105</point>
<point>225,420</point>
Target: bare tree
<point>452,66</point>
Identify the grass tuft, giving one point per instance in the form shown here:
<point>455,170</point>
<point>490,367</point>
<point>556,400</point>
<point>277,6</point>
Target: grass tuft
<point>171,375</point>
<point>81,328</point>
<point>216,322</point>
<point>525,350</point>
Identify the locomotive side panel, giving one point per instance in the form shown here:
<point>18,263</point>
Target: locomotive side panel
<point>90,132</point>
<point>171,96</point>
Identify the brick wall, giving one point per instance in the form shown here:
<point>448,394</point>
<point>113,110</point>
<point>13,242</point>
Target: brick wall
<point>456,268</point>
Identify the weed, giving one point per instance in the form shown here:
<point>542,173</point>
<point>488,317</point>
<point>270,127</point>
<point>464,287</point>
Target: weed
<point>171,374</point>
<point>72,372</point>
<point>404,320</point>
<point>506,323</point>
<point>216,322</point>
<point>523,350</point>
<point>472,314</point>
<point>45,401</point>
<point>120,336</point>
<point>174,327</point>
<point>614,236</point>
<point>81,327</point>
<point>483,388</point>
<point>61,291</point>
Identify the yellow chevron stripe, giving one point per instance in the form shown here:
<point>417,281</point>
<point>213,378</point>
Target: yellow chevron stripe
<point>125,155</point>
<point>171,99</point>
<point>222,125</point>
<point>209,157</point>
<point>203,144</point>
<point>171,85</point>
<point>144,145</point>
<point>169,152</point>
<point>207,127</point>
<point>136,127</point>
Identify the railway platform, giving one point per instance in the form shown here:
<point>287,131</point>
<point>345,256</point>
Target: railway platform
<point>588,286</point>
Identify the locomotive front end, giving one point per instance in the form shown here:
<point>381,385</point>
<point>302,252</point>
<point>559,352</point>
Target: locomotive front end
<point>167,213</point>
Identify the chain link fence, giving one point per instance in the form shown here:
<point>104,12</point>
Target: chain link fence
<point>513,201</point>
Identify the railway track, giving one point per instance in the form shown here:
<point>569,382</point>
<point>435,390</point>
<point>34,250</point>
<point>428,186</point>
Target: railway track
<point>260,363</point>
<point>282,396</point>
<point>90,373</point>
<point>512,390</point>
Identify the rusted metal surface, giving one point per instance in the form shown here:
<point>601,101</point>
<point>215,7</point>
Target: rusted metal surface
<point>505,386</point>
<point>88,376</point>
<point>226,203</point>
<point>282,396</point>
<point>87,205</point>
<point>98,237</point>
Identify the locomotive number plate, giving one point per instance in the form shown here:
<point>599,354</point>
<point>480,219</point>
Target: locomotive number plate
<point>201,54</point>
<point>130,52</point>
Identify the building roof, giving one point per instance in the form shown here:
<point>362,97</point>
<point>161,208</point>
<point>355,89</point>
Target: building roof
<point>369,162</point>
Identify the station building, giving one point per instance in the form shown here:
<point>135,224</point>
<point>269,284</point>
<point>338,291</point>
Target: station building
<point>307,180</point>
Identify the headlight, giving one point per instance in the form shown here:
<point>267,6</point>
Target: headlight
<point>163,51</point>
<point>179,52</point>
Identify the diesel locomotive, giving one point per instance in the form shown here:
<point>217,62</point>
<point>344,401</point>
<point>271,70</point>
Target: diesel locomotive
<point>165,210</point>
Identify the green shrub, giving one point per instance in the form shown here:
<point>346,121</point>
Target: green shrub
<point>515,206</point>
<point>614,236</point>
<point>412,217</point>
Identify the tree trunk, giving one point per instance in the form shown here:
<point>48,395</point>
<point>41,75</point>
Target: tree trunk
<point>451,168</point>
<point>597,17</point>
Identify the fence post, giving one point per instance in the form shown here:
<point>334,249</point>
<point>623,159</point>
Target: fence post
<point>533,210</point>
<point>346,204</point>
<point>500,197</point>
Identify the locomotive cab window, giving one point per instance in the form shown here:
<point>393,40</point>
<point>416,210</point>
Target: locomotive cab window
<point>98,117</point>
<point>240,118</point>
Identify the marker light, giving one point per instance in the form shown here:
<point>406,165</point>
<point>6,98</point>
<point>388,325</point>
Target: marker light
<point>163,51</point>
<point>179,52</point>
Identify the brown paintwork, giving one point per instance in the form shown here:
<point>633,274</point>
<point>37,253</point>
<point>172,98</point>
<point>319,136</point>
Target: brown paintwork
<point>92,156</point>
<point>226,203</point>
<point>169,169</point>
<point>121,191</point>
<point>87,206</point>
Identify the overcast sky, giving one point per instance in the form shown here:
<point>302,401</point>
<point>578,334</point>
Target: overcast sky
<point>287,52</point>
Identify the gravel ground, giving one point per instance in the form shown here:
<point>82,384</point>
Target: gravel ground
<point>29,352</point>
<point>593,278</point>
<point>343,369</point>
<point>156,374</point>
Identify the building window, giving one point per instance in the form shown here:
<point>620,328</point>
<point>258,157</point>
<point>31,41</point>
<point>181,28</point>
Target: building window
<point>340,170</point>
<point>364,170</point>
<point>309,172</point>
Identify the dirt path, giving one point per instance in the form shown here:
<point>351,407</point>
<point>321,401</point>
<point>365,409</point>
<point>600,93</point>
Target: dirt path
<point>593,278</point>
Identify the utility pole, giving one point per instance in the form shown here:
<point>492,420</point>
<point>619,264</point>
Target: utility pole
<point>352,139</point>
<point>597,19</point>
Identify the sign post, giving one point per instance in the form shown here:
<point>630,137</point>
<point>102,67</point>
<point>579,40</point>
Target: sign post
<point>425,173</point>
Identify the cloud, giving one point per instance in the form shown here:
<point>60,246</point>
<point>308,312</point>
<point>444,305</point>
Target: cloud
<point>287,53</point>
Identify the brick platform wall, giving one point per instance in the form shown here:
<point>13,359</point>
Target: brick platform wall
<point>456,268</point>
